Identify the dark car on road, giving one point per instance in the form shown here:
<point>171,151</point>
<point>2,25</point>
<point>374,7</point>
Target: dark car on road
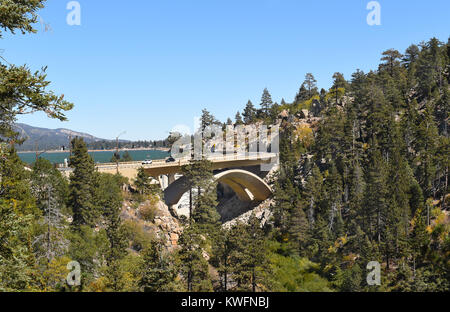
<point>170,159</point>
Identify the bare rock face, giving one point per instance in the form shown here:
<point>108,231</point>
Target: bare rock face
<point>284,114</point>
<point>261,212</point>
<point>168,227</point>
<point>164,225</point>
<point>231,208</point>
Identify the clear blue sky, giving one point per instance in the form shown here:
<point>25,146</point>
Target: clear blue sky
<point>144,66</point>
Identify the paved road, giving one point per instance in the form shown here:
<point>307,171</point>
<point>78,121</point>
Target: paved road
<point>160,167</point>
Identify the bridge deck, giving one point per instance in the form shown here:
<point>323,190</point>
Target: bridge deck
<point>160,167</point>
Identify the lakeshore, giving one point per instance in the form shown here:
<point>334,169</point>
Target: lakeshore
<point>162,149</point>
<point>99,156</point>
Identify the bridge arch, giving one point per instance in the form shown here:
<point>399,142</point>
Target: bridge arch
<point>241,181</point>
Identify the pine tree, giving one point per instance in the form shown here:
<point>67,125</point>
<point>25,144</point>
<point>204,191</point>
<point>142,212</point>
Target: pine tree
<point>238,119</point>
<point>425,147</point>
<point>339,81</point>
<point>81,187</point>
<point>193,266</point>
<point>247,258</point>
<point>310,84</point>
<point>14,182</point>
<point>201,179</point>
<point>43,176</point>
<point>50,190</point>
<point>266,102</point>
<point>298,229</point>
<point>411,55</point>
<point>15,270</point>
<point>143,182</point>
<point>339,87</point>
<point>410,63</point>
<point>408,126</point>
<point>357,191</point>
<point>207,120</point>
<point>430,67</point>
<point>313,195</point>
<point>288,160</point>
<point>319,242</point>
<point>419,239</point>
<point>308,89</point>
<point>333,186</point>
<point>157,271</point>
<point>398,215</point>
<point>302,95</point>
<point>391,60</point>
<point>353,278</point>
<point>222,249</point>
<point>375,202</point>
<point>255,258</point>
<point>108,201</point>
<point>273,114</point>
<point>249,113</point>
<point>285,200</point>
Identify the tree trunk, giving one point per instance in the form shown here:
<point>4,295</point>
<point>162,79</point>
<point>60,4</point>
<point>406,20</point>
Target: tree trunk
<point>253,280</point>
<point>190,205</point>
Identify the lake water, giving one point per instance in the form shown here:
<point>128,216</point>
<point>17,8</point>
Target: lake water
<point>99,157</point>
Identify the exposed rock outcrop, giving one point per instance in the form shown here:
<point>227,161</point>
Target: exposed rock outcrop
<point>164,225</point>
<point>261,211</point>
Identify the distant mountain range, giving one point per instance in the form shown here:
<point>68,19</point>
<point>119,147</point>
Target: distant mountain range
<point>49,139</point>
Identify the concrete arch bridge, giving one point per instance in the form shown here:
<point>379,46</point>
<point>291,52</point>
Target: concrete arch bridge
<point>230,170</point>
<point>247,186</point>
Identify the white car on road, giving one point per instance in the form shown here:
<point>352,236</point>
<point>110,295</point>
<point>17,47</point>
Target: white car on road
<point>147,162</point>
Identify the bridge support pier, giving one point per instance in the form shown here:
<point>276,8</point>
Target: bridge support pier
<point>166,180</point>
<point>163,181</point>
<point>171,178</point>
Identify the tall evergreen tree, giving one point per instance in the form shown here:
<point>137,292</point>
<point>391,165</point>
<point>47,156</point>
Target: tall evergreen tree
<point>238,119</point>
<point>14,181</point>
<point>391,59</point>
<point>302,95</point>
<point>81,187</point>
<point>266,102</point>
<point>43,176</point>
<point>158,272</point>
<point>307,90</point>
<point>298,229</point>
<point>207,119</point>
<point>249,113</point>
<point>50,190</point>
<point>255,257</point>
<point>15,269</point>
<point>375,202</point>
<point>201,180</point>
<point>192,263</point>
<point>108,201</point>
<point>143,182</point>
<point>222,251</point>
<point>425,147</point>
<point>310,84</point>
